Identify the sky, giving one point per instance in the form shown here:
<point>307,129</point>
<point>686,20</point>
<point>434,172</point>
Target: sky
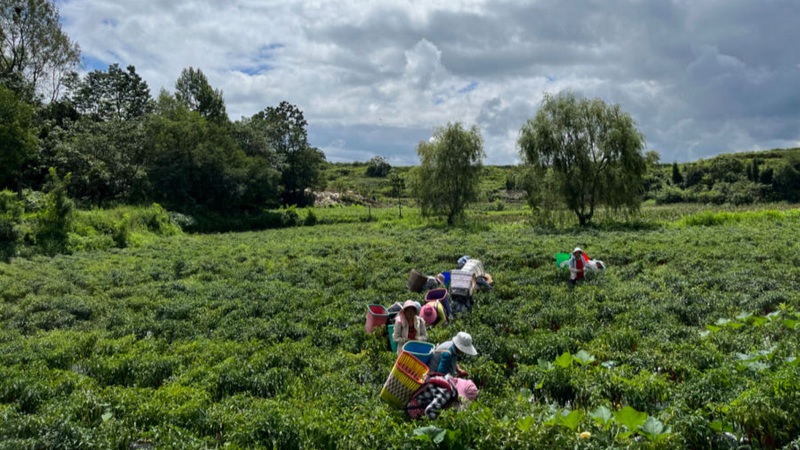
<point>376,77</point>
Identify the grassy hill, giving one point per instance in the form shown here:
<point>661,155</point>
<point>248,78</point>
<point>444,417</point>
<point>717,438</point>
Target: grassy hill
<point>256,340</point>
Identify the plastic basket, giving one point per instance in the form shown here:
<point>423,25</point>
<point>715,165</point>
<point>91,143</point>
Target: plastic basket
<point>392,342</point>
<point>561,258</point>
<point>376,316</point>
<point>436,294</point>
<point>416,281</point>
<point>407,375</point>
<point>421,350</point>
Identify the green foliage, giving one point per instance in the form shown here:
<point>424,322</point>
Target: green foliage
<point>55,220</point>
<point>446,180</point>
<point>10,214</point>
<point>256,339</point>
<point>17,138</point>
<point>115,94</point>
<point>593,151</point>
<point>300,163</point>
<point>378,167</point>
<point>36,54</point>
<point>193,91</point>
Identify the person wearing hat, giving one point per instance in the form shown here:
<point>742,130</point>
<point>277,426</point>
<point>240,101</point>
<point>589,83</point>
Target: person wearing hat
<point>408,325</point>
<point>445,357</point>
<point>440,392</point>
<point>576,266</point>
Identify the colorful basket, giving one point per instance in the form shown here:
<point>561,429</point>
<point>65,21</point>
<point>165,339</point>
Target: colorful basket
<point>377,316</point>
<point>407,375</point>
<point>419,349</point>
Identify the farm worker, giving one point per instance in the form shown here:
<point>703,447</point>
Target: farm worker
<point>576,266</point>
<point>408,325</point>
<point>445,357</point>
<point>440,392</point>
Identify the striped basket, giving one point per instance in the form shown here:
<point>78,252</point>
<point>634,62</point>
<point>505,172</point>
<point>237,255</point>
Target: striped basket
<point>407,375</point>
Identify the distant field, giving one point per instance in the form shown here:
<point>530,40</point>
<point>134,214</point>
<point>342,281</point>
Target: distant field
<point>256,340</point>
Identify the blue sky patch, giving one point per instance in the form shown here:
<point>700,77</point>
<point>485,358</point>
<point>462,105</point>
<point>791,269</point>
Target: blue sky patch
<point>468,88</point>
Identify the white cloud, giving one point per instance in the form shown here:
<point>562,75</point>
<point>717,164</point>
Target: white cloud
<point>376,77</point>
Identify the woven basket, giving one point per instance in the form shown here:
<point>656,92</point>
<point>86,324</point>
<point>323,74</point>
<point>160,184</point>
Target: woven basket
<point>416,281</point>
<point>407,375</point>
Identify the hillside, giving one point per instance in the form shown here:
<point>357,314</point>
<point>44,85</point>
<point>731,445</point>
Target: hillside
<point>256,340</point>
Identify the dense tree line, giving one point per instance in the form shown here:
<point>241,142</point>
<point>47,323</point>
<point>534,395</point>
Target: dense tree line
<point>121,145</point>
<point>768,176</point>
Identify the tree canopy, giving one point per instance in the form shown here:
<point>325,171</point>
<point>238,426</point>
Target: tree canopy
<point>450,166</point>
<point>35,54</point>
<point>592,151</point>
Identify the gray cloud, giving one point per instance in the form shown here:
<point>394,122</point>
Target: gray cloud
<point>700,78</point>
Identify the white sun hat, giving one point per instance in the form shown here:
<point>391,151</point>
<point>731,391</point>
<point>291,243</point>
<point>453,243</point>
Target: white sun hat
<point>463,342</point>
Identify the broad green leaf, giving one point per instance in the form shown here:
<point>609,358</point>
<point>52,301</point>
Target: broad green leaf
<point>544,365</point>
<point>743,316</point>
<point>630,417</point>
<point>792,361</point>
<point>583,357</point>
<point>431,432</point>
<point>565,360</point>
<point>735,325</point>
<point>720,426</point>
<point>654,429</point>
<point>601,415</point>
<point>106,416</point>
<point>758,321</point>
<point>773,315</point>
<point>524,424</point>
<point>790,324</point>
<point>723,322</point>
<point>572,419</point>
<point>704,333</point>
<point>712,328</point>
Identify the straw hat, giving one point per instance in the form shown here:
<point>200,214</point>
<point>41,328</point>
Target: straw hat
<point>466,389</point>
<point>577,250</point>
<point>463,342</point>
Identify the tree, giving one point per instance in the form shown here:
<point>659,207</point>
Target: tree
<point>17,137</point>
<point>192,163</point>
<point>114,94</point>
<point>378,167</point>
<point>301,164</point>
<point>106,160</point>
<point>451,163</point>
<point>398,184</point>
<point>593,150</point>
<point>193,90</point>
<point>35,54</point>
<point>677,177</point>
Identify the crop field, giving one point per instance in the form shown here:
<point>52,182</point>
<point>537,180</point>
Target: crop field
<point>690,338</point>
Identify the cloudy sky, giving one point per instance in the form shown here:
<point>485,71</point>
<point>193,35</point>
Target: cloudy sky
<point>374,77</point>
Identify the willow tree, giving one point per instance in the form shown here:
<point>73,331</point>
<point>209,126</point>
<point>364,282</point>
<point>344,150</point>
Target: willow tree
<point>446,180</point>
<point>589,152</point>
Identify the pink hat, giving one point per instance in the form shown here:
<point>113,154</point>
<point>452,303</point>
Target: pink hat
<point>429,313</point>
<point>411,303</point>
<point>466,389</point>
